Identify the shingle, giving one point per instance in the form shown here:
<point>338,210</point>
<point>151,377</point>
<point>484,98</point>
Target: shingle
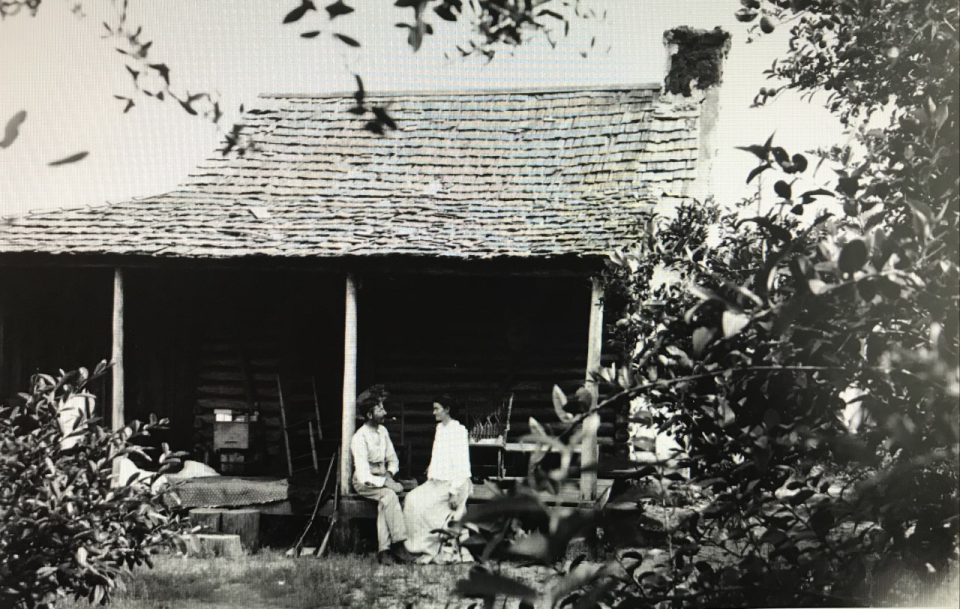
<point>466,176</point>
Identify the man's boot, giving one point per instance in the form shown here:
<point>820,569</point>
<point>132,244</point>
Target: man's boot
<point>401,554</point>
<point>386,557</point>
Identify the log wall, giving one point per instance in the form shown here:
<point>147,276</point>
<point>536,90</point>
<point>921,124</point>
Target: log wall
<point>477,339</point>
<point>52,319</point>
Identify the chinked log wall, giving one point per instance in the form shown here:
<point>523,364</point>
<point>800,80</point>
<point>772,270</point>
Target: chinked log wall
<point>478,340</point>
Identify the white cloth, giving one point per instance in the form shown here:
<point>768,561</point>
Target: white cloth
<point>450,459</point>
<point>373,456</point>
<point>427,507</point>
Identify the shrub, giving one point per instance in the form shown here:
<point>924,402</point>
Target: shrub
<point>67,526</point>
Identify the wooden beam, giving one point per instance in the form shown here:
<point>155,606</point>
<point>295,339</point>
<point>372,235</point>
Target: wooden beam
<point>590,453</point>
<point>116,403</point>
<point>595,336</point>
<point>348,423</point>
<point>3,388</point>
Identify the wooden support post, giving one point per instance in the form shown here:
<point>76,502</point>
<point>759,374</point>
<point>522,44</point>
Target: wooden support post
<point>348,423</point>
<point>590,453</point>
<point>3,389</point>
<point>116,405</point>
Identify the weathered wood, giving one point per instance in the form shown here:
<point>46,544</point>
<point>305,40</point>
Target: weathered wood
<point>245,523</point>
<point>116,352</point>
<point>208,519</point>
<point>348,424</point>
<point>206,545</point>
<point>286,435</point>
<point>590,454</point>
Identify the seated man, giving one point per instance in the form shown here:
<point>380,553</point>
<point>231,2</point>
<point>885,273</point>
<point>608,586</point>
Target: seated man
<point>443,497</point>
<point>374,465</point>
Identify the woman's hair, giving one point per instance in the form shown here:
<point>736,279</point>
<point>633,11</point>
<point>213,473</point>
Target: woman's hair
<point>449,403</point>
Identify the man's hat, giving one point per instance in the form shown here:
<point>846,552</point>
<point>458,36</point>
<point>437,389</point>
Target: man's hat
<point>372,396</point>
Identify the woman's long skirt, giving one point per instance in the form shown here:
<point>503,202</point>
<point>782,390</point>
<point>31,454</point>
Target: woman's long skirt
<point>427,509</point>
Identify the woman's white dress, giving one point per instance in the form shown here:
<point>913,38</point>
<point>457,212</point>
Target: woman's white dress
<point>427,507</point>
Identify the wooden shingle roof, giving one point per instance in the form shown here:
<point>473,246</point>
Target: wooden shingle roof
<point>478,175</point>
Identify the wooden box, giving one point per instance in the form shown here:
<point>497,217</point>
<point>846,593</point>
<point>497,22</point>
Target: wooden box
<point>233,435</point>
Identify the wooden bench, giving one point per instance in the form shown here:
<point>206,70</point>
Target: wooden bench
<point>354,506</point>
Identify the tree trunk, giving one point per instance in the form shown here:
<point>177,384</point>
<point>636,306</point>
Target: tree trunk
<point>208,519</point>
<point>245,523</point>
<point>204,545</point>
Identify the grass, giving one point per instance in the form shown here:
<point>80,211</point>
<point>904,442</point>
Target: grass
<point>269,579</point>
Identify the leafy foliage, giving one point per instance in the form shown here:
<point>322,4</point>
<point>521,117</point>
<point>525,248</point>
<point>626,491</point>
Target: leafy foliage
<point>67,528</point>
<point>750,338</point>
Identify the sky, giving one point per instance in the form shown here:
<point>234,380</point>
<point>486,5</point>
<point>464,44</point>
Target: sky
<point>59,69</point>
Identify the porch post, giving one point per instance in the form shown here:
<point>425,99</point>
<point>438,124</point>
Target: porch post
<point>348,423</point>
<point>590,451</point>
<point>116,403</point>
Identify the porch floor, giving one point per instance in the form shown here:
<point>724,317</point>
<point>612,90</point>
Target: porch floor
<point>353,506</point>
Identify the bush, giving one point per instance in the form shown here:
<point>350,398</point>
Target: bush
<point>67,527</point>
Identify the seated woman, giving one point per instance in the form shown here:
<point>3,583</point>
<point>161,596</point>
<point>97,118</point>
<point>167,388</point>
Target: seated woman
<point>443,497</point>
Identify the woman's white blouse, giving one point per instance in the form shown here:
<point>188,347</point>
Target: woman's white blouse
<point>450,459</point>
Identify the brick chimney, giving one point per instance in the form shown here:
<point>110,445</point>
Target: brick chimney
<point>696,71</point>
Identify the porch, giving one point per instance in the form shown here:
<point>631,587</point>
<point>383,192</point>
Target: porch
<point>193,341</point>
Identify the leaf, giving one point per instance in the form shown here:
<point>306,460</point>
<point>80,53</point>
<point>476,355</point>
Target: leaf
<point>537,430</point>
<point>359,94</point>
<point>347,40</point>
<point>808,196</point>
<point>797,209</point>
<point>338,9</point>
<point>776,231</point>
<point>801,496</point>
<point>73,158</point>
<point>549,13</point>
<point>535,546</point>
<point>733,322</point>
<point>577,578</point>
<point>853,256</point>
<point>780,156</point>
<point>940,116</point>
<point>799,163</point>
<point>445,12</point>
<point>187,105</point>
<point>822,521</point>
<point>701,337</point>
<point>818,286</point>
<point>383,117</point>
<point>163,70</point>
<point>12,130</point>
<point>298,13</point>
<point>310,34</point>
<point>757,171</point>
<point>782,189</point>
<point>771,418</point>
<point>761,152</point>
<point>483,583</point>
<point>559,401</point>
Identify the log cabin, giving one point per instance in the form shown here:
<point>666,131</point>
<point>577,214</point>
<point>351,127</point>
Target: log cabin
<point>458,253</point>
